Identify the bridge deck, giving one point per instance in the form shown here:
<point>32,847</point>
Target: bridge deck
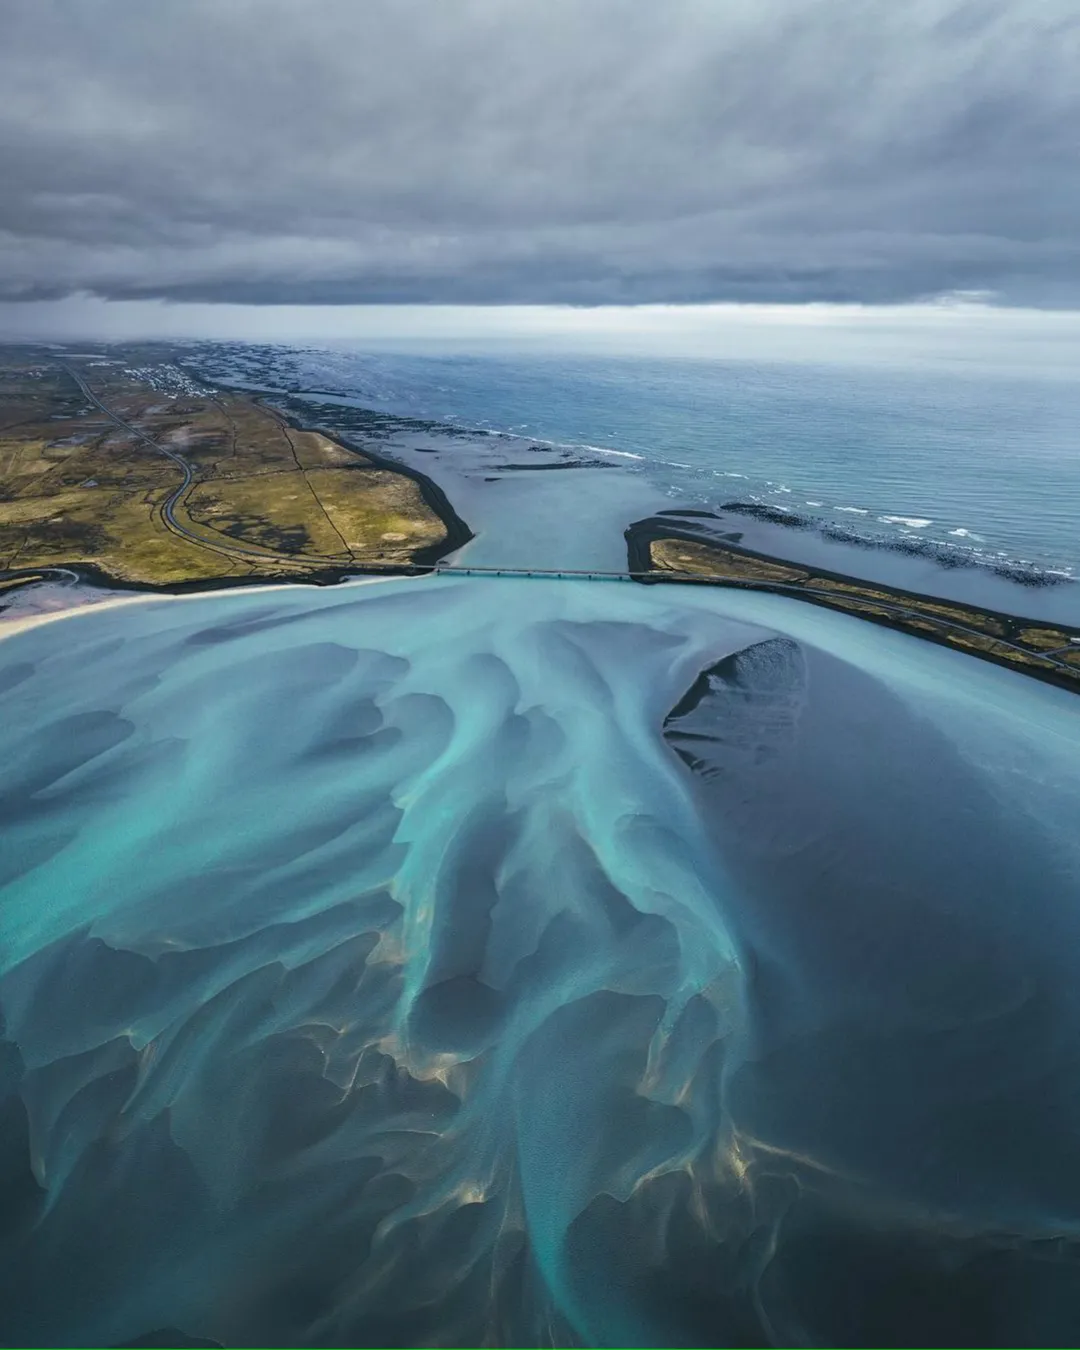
<point>449,569</point>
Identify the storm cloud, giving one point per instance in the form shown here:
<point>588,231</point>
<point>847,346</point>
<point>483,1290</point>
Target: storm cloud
<point>540,151</point>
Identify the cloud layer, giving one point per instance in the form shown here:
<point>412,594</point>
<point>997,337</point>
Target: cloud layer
<point>540,151</point>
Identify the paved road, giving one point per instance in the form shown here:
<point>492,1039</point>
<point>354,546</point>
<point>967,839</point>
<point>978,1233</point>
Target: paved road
<point>168,507</point>
<point>449,569</point>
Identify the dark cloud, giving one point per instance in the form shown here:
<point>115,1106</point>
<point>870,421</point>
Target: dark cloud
<point>540,150</point>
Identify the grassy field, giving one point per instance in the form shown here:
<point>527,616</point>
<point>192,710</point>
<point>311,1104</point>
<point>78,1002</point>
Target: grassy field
<point>264,499</point>
<point>1044,650</point>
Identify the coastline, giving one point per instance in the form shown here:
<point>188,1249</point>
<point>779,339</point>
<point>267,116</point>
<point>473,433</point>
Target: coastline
<point>1042,647</point>
<point>989,635</point>
<point>423,559</point>
<point>458,534</point>
<point>9,627</point>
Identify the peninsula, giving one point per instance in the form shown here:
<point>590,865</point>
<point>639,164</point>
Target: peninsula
<point>141,475</point>
<point>660,550</point>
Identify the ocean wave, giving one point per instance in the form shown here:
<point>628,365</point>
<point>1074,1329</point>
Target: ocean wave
<point>947,553</point>
<point>605,450</point>
<point>568,445</point>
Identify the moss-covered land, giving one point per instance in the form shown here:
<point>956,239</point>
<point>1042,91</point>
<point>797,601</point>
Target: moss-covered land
<point>264,499</point>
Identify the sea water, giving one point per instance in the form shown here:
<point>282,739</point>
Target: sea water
<point>970,463</point>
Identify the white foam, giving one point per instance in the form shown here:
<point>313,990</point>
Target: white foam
<point>815,503</point>
<point>854,510</point>
<point>622,454</point>
<point>967,534</point>
<point>568,445</point>
<point>913,522</point>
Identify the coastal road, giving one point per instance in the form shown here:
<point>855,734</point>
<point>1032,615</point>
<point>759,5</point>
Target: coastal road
<point>810,593</point>
<point>168,507</point>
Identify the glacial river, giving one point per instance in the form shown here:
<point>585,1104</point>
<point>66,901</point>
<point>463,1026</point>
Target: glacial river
<point>461,961</point>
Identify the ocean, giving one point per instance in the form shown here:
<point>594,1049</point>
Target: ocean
<point>963,465</point>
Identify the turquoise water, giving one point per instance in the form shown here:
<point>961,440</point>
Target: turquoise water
<point>976,466</point>
<point>447,961</point>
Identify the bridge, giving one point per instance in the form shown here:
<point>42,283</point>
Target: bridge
<point>564,573</point>
<point>875,606</point>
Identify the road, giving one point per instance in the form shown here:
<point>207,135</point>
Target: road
<point>776,587</point>
<point>449,569</point>
<point>168,507</point>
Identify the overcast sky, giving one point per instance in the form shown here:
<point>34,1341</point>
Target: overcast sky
<point>536,151</point>
<point>953,334</point>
